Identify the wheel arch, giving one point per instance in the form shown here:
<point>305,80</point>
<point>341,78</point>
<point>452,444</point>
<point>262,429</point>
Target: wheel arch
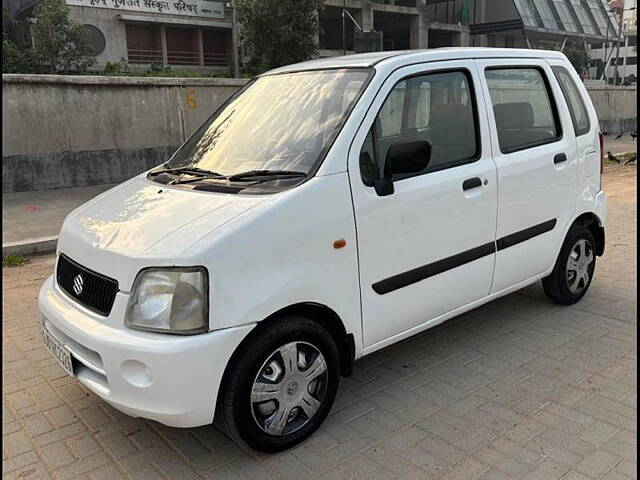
<point>320,314</point>
<point>330,321</point>
<point>593,223</point>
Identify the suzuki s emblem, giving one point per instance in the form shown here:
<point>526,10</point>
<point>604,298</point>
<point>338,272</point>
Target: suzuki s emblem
<point>77,284</point>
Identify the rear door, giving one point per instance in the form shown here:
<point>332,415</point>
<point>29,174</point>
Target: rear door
<point>428,248</point>
<point>585,125</point>
<point>534,148</point>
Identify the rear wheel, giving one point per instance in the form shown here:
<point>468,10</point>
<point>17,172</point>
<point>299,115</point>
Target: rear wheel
<point>280,385</point>
<point>574,268</point>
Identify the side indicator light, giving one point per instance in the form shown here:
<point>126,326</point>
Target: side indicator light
<point>338,244</point>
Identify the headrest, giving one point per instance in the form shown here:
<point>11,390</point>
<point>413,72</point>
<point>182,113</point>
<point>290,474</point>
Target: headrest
<point>513,115</point>
<point>449,113</point>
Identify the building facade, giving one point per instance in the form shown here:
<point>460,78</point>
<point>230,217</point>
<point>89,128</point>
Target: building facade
<point>182,34</point>
<point>624,58</point>
<point>200,35</point>
<point>403,24</point>
<point>490,23</point>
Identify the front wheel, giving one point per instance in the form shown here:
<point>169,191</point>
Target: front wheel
<point>574,268</point>
<point>280,385</point>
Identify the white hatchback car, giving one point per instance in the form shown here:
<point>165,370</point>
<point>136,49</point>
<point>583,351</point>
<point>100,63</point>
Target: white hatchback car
<point>326,211</point>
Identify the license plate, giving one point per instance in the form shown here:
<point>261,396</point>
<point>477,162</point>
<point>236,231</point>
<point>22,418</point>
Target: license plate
<point>57,349</point>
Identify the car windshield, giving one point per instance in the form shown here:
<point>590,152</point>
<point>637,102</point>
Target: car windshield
<point>279,122</point>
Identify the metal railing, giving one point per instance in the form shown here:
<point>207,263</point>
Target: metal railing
<point>175,57</point>
<point>144,55</point>
<point>217,59</point>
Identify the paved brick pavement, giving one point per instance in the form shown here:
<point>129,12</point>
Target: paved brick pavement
<point>520,388</point>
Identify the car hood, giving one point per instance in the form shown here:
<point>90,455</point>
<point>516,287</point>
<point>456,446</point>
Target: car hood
<point>146,223</point>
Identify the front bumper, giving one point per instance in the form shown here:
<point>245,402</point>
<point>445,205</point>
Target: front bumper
<point>168,378</point>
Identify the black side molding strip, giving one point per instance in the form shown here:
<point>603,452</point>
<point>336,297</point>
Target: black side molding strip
<point>417,274</point>
<point>526,234</point>
<point>421,273</point>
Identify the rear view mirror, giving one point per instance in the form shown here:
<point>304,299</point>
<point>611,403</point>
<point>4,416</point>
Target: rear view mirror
<point>403,159</point>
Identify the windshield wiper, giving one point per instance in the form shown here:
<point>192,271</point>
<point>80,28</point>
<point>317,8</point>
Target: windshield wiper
<point>199,172</point>
<point>267,174</point>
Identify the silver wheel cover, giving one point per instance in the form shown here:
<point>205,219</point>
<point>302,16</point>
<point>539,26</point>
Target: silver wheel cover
<point>289,388</point>
<point>580,260</point>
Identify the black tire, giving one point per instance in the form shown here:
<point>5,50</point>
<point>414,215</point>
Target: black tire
<point>557,284</point>
<point>235,412</point>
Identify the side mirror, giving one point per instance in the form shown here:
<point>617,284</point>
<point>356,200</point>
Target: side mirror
<point>407,158</point>
<point>402,159</point>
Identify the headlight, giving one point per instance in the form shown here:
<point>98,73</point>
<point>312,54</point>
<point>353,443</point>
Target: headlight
<point>169,300</point>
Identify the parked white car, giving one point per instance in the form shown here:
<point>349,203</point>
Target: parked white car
<point>327,210</point>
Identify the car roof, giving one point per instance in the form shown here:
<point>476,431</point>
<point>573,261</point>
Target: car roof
<point>399,57</point>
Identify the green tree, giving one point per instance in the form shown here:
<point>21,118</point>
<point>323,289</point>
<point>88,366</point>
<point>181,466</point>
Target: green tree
<point>277,33</point>
<point>578,56</point>
<point>13,59</point>
<point>60,44</point>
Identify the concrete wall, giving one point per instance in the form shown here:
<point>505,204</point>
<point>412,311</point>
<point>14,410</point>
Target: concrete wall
<point>617,107</point>
<point>64,131</point>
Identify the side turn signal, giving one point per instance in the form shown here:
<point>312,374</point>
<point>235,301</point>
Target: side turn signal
<point>338,244</point>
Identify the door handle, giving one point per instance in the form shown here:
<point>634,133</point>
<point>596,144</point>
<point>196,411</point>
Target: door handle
<point>559,158</point>
<point>470,183</point>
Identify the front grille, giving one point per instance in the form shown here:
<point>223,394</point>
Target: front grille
<point>90,289</point>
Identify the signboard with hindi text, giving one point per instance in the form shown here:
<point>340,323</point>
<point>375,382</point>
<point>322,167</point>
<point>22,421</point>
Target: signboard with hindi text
<point>194,8</point>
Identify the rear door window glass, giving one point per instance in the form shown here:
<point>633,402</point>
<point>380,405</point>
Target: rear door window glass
<point>523,107</point>
<point>577,108</point>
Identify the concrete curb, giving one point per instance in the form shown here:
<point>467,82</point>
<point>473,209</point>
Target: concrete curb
<point>31,246</point>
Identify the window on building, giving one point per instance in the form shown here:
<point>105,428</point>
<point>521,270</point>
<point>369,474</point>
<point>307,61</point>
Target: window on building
<point>597,46</point>
<point>439,108</point>
<point>528,13</point>
<point>619,62</point>
<point>546,14</point>
<point>523,107</point>
<point>182,46</point>
<point>144,43</point>
<point>95,38</point>
<point>633,41</point>
<point>216,45</point>
<point>632,60</point>
<point>583,18</point>
<point>577,108</point>
<point>603,23</point>
<point>566,17</point>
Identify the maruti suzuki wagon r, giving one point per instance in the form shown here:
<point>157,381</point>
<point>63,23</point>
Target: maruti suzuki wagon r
<point>327,210</point>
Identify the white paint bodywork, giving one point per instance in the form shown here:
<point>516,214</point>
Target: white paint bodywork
<point>267,252</point>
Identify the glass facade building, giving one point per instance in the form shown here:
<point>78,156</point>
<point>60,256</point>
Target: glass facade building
<point>574,18</point>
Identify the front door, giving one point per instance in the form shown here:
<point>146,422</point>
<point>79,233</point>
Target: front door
<point>427,248</point>
<point>536,155</point>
